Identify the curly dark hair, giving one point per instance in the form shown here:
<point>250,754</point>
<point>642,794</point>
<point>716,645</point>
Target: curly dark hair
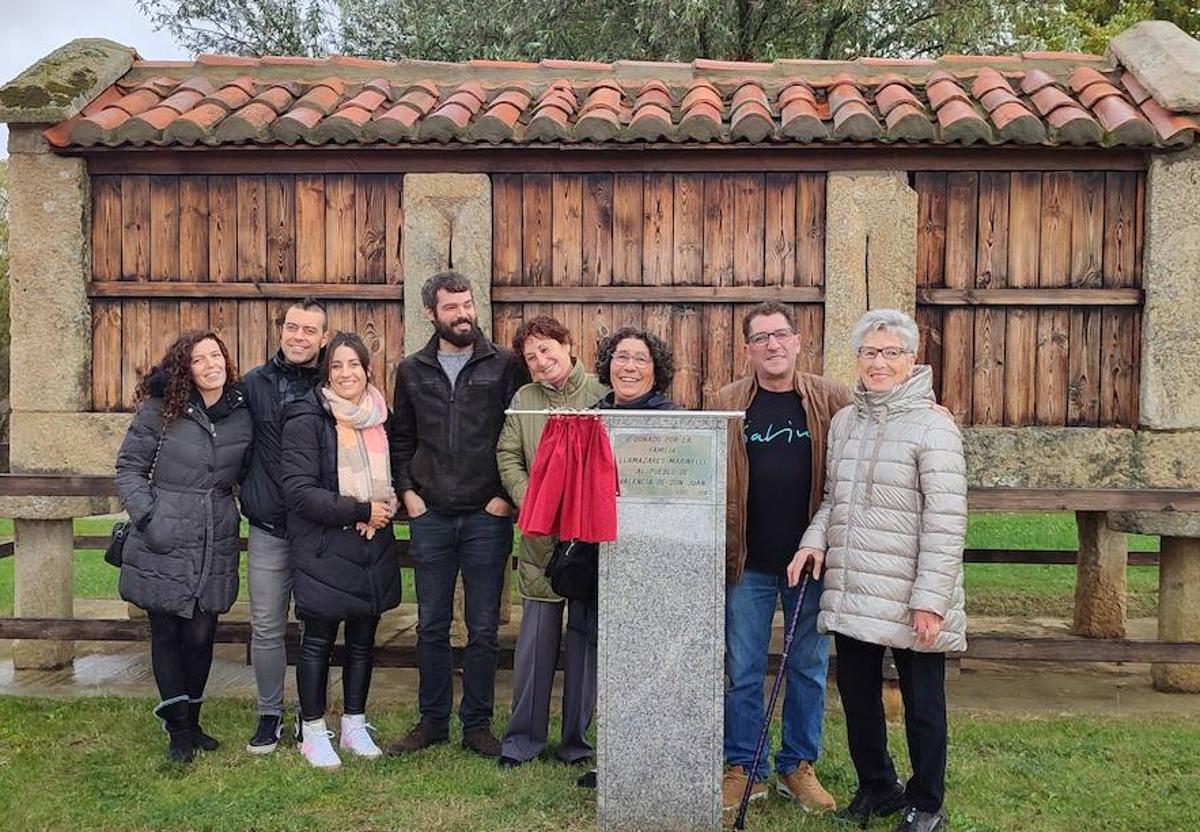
<point>176,366</point>
<point>660,354</point>
<point>543,326</point>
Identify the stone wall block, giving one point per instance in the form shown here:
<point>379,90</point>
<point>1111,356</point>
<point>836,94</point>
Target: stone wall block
<point>447,225</point>
<point>44,551</point>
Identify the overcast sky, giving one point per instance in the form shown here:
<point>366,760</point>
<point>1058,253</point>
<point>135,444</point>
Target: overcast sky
<point>33,28</point>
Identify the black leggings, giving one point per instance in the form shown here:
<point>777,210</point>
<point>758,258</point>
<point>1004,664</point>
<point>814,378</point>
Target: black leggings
<point>312,668</point>
<point>181,652</point>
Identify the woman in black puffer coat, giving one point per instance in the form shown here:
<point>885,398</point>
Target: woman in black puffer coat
<point>185,451</point>
<point>338,490</point>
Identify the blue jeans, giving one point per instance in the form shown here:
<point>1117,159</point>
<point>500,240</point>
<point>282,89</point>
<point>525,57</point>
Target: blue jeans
<point>478,545</point>
<point>749,609</point>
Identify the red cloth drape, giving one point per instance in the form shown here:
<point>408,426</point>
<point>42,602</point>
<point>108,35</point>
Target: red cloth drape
<point>572,492</point>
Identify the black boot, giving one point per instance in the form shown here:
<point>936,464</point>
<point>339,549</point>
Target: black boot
<point>201,740</point>
<point>176,723</point>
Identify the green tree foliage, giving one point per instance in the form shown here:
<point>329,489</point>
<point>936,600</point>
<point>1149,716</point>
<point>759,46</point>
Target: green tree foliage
<point>456,30</point>
<point>1088,25</point>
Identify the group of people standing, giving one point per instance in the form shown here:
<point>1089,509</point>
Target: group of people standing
<point>862,494</point>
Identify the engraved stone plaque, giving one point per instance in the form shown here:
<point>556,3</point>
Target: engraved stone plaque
<point>674,464</point>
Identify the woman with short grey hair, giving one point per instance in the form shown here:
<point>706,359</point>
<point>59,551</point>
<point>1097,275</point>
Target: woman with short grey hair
<point>889,533</point>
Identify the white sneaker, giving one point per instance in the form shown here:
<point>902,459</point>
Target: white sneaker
<point>316,747</point>
<point>356,737</point>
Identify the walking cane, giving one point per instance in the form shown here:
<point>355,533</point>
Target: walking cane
<point>740,823</point>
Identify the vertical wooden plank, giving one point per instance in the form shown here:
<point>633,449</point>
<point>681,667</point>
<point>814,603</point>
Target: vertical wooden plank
<point>656,318</point>
<point>779,263</point>
<point>252,333</point>
<point>251,228</point>
<point>1087,271</point>
<point>193,229</point>
<point>566,229</point>
<point>537,228</point>
<point>1119,326</point>
<point>718,230</point>
<point>721,339</point>
<point>136,359</point>
<point>931,264</point>
<point>810,327</point>
<point>193,316</point>
<point>739,365</point>
<point>276,312</point>
<point>990,321</point>
<point>135,227</point>
<point>393,347</point>
<point>597,230</point>
<point>223,320</point>
<point>687,233</point>
<point>371,326</point>
<point>627,314</point>
<point>281,228</point>
<point>339,228</point>
<point>506,319</point>
<point>748,245</point>
<point>688,343</point>
<point>164,228</point>
<point>1053,322</point>
<point>958,325</point>
<point>597,326</point>
<point>164,326</point>
<point>507,219</point>
<point>370,228</point>
<point>810,228</point>
<point>1020,340</point>
<point>106,353</point>
<point>627,229</point>
<point>341,316</point>
<point>310,228</point>
<point>394,233</point>
<point>106,228</point>
<point>571,314</point>
<point>222,229</point>
<point>658,230</point>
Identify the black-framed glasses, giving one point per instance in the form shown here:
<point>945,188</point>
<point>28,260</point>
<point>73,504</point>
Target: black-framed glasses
<point>760,339</point>
<point>888,353</point>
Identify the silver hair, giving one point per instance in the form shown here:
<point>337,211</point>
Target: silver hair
<point>886,320</point>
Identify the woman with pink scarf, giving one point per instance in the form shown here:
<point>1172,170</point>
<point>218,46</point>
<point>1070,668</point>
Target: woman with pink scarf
<point>338,488</point>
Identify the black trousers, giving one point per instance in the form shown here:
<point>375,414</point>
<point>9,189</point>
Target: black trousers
<point>923,687</point>
<point>312,666</point>
<point>181,652</point>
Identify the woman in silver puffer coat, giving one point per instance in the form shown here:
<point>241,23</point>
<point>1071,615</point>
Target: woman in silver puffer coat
<point>889,536</point>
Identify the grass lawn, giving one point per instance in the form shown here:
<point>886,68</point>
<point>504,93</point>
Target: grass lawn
<point>1022,590</point>
<point>108,771</point>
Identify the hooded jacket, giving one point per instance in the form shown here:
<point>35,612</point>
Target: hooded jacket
<point>336,572</point>
<point>182,552</point>
<point>893,518</point>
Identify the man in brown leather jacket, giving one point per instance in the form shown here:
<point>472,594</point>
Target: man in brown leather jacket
<point>776,480</point>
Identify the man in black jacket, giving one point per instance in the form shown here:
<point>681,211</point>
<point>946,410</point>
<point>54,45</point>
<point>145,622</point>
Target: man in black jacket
<point>449,408</point>
<point>287,377</point>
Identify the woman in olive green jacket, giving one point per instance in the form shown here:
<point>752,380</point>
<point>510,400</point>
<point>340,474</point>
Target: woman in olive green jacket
<point>559,382</point>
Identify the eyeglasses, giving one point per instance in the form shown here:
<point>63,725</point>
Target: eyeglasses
<point>629,358</point>
<point>888,353</point>
<point>760,339</point>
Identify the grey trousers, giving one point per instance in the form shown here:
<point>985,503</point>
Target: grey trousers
<point>533,680</point>
<point>269,574</point>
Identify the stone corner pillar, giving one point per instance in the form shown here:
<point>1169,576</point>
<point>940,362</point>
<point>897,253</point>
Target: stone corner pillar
<point>1178,610</point>
<point>1100,597</point>
<point>870,256</point>
<point>1169,397</point>
<point>447,225</point>
<point>44,572</point>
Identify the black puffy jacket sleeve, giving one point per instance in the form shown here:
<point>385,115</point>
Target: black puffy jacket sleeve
<point>402,436</point>
<point>304,488</point>
<point>135,460</point>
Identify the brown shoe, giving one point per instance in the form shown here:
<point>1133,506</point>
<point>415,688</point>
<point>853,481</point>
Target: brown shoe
<point>482,741</point>
<point>733,786</point>
<point>803,787</point>
<point>422,735</point>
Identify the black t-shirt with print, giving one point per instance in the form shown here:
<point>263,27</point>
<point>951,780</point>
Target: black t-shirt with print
<point>780,453</point>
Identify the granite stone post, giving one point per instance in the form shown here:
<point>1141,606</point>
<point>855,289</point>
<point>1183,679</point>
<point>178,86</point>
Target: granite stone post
<point>44,552</point>
<point>870,256</point>
<point>1178,610</point>
<point>662,626</point>
<point>1099,578</point>
<point>447,225</point>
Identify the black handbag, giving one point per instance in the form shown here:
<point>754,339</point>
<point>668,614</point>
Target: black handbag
<point>115,553</point>
<point>574,570</point>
